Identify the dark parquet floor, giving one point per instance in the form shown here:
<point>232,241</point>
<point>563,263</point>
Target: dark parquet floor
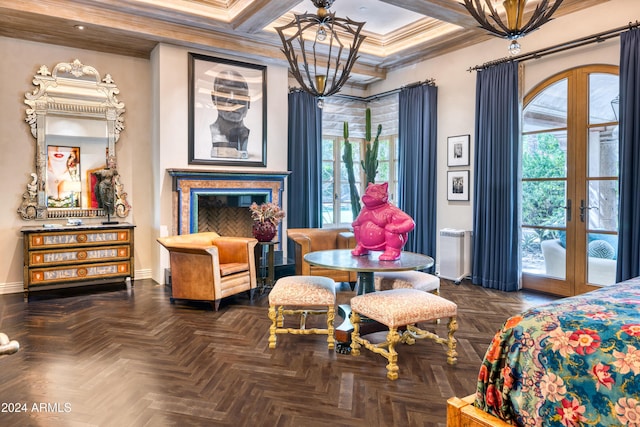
<point>127,357</point>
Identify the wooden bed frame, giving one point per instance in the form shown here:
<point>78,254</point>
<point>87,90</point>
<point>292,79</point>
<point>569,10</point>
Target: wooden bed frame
<point>462,413</point>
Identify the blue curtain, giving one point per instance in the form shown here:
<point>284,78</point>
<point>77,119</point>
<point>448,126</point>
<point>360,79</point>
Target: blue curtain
<point>495,253</point>
<point>629,145</point>
<point>418,190</point>
<point>304,150</point>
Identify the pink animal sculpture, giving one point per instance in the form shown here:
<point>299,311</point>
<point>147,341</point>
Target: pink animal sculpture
<point>380,226</point>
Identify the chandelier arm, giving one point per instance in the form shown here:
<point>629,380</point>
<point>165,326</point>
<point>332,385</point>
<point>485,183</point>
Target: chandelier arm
<point>334,37</point>
<point>476,10</point>
<point>348,25</point>
<point>336,84</point>
<point>299,36</point>
<point>496,18</point>
<point>541,15</point>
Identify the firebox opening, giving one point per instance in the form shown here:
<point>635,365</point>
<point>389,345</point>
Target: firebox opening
<point>228,214</point>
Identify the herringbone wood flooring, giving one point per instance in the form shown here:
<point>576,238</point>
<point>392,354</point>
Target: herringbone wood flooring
<point>130,358</point>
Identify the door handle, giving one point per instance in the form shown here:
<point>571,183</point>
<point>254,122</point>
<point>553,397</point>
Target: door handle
<point>568,209</point>
<point>583,209</point>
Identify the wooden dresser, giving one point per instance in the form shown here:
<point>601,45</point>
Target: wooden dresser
<point>77,255</point>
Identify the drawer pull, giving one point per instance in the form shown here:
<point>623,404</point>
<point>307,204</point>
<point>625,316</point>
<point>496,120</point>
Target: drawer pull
<point>81,238</point>
<point>82,272</point>
<point>82,255</point>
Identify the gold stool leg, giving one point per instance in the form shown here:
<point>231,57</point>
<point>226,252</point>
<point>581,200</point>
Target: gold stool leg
<point>280,320</point>
<point>393,338</point>
<point>331,314</point>
<point>355,335</point>
<point>272,328</point>
<point>452,354</point>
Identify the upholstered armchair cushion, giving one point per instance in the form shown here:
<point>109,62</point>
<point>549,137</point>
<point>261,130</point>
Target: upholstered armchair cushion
<point>209,267</point>
<point>319,239</point>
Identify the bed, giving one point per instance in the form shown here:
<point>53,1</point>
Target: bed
<point>575,361</point>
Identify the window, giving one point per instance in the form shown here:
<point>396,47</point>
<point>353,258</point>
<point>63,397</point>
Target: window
<point>336,195</point>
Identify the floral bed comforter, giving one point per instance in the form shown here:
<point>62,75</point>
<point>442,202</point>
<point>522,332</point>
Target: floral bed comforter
<point>573,362</point>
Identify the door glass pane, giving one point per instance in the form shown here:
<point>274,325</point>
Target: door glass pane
<point>543,252</point>
<point>328,145</point>
<point>327,200</point>
<point>383,161</point>
<point>346,214</point>
<point>543,203</point>
<point>603,151</point>
<point>544,155</point>
<point>327,149</point>
<point>602,205</point>
<point>602,252</point>
<point>603,98</point>
<point>548,110</point>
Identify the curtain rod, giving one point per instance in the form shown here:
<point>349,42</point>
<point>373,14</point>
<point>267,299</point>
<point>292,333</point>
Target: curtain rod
<point>595,38</point>
<point>428,82</point>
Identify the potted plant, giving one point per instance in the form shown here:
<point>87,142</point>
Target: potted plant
<point>266,218</point>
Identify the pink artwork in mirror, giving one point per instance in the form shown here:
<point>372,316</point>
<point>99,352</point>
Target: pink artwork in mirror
<point>380,226</point>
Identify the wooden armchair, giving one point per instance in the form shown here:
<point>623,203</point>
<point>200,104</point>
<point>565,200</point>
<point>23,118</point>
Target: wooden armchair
<point>318,239</point>
<point>208,267</point>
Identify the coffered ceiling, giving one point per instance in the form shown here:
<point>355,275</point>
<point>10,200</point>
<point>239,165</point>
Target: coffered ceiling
<point>399,32</point>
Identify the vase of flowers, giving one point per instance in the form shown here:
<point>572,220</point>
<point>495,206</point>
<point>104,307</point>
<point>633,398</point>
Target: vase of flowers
<point>266,218</point>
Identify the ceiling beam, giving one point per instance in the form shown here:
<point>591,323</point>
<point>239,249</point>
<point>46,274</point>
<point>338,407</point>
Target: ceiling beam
<point>443,10</point>
<point>261,14</point>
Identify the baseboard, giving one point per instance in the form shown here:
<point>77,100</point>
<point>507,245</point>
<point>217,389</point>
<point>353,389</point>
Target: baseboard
<point>144,274</point>
<point>18,287</point>
<point>11,288</point>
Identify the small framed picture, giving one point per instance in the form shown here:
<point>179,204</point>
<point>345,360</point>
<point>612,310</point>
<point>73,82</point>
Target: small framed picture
<point>458,185</point>
<point>458,150</point>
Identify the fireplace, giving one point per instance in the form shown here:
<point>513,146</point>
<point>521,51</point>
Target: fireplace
<point>219,201</point>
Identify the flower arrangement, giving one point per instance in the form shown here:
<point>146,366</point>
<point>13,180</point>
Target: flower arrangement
<point>266,212</point>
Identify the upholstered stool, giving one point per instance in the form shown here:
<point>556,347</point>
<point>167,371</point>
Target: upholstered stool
<point>300,295</point>
<point>419,280</point>
<point>402,308</point>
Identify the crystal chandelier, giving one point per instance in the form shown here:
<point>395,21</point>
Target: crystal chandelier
<point>514,11</point>
<point>321,49</point>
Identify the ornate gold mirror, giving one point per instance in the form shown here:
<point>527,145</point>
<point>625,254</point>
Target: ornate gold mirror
<point>76,120</point>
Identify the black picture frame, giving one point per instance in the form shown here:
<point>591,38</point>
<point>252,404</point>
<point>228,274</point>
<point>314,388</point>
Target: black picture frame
<point>458,185</point>
<point>458,150</point>
<point>242,141</point>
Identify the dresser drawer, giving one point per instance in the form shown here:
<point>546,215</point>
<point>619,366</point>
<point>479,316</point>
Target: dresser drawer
<point>75,256</point>
<point>45,276</point>
<point>77,238</point>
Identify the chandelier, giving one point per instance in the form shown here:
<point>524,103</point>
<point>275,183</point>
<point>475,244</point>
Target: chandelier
<point>514,10</point>
<point>321,49</point>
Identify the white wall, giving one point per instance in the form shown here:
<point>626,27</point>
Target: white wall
<point>456,86</point>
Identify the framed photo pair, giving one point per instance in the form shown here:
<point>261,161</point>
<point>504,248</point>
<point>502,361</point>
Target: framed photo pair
<point>227,112</point>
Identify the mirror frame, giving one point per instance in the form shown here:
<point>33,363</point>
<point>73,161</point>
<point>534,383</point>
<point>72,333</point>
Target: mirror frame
<point>71,90</point>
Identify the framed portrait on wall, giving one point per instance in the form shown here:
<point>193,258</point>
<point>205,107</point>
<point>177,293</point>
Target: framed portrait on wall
<point>227,112</point>
<point>458,185</point>
<point>458,150</point>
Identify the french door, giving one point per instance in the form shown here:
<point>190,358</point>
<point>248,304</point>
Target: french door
<point>570,181</point>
